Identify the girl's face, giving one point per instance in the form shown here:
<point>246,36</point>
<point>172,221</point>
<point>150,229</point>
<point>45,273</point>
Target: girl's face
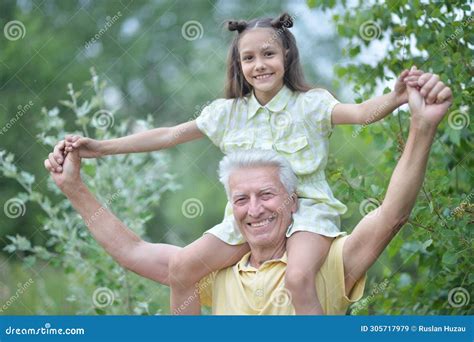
<point>263,62</point>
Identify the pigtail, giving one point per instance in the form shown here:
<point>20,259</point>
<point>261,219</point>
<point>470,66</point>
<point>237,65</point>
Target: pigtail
<point>283,21</point>
<point>239,26</point>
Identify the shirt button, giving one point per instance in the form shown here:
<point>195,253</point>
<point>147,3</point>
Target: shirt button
<point>259,293</point>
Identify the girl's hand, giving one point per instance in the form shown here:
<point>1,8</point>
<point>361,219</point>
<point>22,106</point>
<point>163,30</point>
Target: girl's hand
<point>87,147</point>
<point>406,78</point>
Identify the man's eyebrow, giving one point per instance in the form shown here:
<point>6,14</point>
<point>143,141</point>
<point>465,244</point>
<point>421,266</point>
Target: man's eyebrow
<point>270,187</point>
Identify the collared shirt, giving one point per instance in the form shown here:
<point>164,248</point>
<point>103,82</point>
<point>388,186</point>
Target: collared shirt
<point>294,124</point>
<point>297,126</point>
<point>245,290</point>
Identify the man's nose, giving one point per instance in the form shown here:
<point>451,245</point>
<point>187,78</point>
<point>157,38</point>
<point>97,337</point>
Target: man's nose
<point>255,208</point>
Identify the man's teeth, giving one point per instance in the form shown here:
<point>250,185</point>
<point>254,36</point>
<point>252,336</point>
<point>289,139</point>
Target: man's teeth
<point>261,77</point>
<point>261,223</point>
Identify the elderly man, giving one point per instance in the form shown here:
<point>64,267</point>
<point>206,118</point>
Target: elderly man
<point>261,188</point>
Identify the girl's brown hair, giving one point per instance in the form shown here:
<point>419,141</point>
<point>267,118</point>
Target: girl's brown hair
<point>236,85</point>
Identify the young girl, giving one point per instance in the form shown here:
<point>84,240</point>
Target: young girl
<point>268,106</point>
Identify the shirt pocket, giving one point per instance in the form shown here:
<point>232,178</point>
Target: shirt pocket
<point>238,141</point>
<point>297,151</point>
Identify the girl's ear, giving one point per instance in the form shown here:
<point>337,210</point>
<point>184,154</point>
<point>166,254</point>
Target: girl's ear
<point>286,52</point>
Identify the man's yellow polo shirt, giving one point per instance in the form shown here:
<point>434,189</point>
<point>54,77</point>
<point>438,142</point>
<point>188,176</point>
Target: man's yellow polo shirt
<point>244,290</point>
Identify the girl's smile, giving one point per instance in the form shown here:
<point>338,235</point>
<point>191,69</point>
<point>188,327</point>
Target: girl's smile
<point>262,63</point>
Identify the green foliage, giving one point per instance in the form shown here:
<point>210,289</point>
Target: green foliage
<point>69,246</point>
<point>432,256</point>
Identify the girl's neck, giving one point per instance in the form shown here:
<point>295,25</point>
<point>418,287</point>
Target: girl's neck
<point>266,96</point>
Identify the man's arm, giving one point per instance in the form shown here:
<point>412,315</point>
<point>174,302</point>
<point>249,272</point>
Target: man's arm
<point>129,250</point>
<point>376,230</point>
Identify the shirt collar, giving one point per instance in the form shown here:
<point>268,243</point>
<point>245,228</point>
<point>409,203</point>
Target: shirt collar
<point>244,265</point>
<point>276,104</point>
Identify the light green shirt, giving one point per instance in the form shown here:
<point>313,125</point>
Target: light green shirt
<point>296,125</point>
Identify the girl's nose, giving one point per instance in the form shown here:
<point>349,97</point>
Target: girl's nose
<point>259,64</point>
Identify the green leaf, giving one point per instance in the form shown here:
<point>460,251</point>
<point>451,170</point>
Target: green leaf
<point>449,258</point>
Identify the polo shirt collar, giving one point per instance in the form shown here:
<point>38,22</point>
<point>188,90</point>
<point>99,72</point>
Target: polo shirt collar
<point>244,265</point>
<point>277,104</point>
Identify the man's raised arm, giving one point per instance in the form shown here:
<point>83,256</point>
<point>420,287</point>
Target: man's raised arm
<point>374,232</point>
<point>129,250</point>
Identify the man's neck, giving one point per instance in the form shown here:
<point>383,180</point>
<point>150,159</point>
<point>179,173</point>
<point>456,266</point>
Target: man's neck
<point>259,255</point>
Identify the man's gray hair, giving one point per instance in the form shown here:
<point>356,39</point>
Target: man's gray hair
<point>256,158</point>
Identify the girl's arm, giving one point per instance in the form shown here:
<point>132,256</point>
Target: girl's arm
<point>151,140</point>
<point>377,108</point>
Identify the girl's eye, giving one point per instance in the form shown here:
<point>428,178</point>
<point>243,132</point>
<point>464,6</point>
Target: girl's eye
<point>269,53</point>
<point>247,58</point>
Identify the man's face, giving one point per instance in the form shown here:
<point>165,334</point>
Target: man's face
<point>262,206</point>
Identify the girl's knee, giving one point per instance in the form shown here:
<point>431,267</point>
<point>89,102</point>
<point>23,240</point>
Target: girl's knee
<point>297,279</point>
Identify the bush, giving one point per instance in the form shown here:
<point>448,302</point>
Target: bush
<point>96,282</point>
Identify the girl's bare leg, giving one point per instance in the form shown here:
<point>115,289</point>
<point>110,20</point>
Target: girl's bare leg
<point>194,262</point>
<point>306,253</point>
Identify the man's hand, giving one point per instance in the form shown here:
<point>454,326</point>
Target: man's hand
<point>70,177</point>
<point>430,103</point>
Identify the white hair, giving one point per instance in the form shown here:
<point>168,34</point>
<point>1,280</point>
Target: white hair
<point>257,158</point>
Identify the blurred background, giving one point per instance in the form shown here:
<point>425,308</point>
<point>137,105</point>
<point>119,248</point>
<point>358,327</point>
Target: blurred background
<point>111,68</point>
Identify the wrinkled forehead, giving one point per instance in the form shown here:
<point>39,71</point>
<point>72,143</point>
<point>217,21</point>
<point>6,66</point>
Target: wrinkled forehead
<point>255,179</point>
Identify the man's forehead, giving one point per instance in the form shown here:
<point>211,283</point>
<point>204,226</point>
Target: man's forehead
<point>254,179</point>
